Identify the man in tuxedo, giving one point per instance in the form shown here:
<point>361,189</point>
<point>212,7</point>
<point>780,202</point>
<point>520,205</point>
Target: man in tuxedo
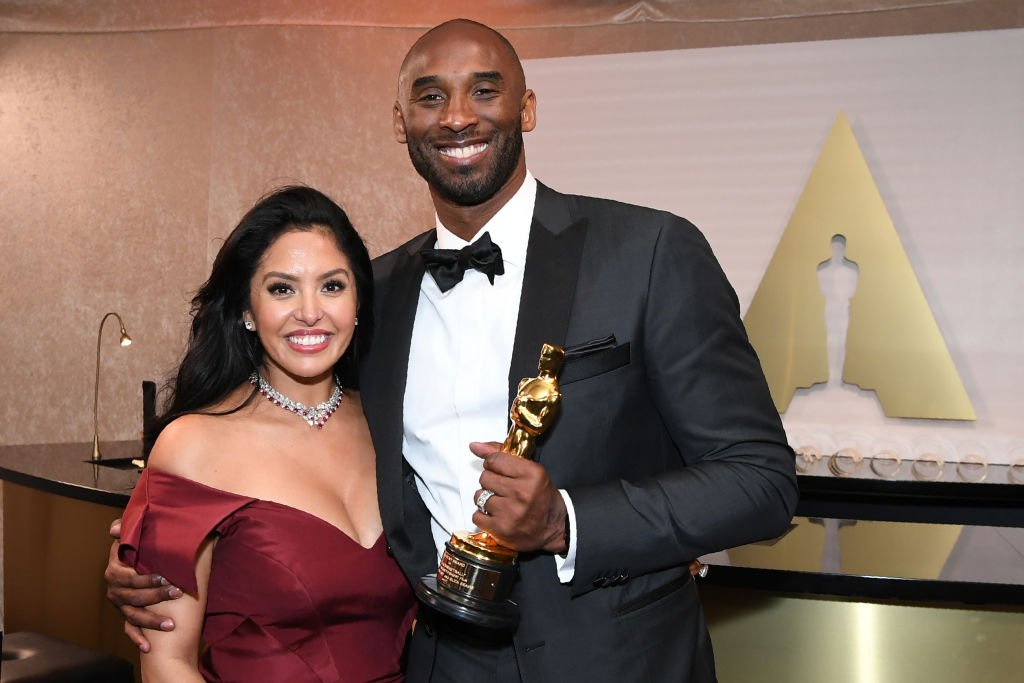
<point>667,446</point>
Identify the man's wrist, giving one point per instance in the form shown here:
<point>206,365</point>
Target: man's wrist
<point>565,535</point>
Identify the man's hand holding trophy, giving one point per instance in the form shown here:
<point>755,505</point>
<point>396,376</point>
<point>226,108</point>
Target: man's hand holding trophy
<point>477,571</point>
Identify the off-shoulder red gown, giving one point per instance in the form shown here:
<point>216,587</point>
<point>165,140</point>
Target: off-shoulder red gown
<point>292,598</point>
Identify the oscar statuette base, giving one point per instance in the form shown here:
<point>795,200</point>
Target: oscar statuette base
<point>473,583</point>
<point>503,616</point>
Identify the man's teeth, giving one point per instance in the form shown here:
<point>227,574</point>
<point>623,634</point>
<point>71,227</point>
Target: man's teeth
<point>308,340</point>
<point>463,152</point>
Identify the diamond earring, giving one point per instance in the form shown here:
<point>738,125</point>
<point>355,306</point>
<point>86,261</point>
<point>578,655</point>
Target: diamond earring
<point>357,320</point>
<point>250,325</point>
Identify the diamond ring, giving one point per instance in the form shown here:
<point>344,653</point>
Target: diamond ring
<point>481,500</point>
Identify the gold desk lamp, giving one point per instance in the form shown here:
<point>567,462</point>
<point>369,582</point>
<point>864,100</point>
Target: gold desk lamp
<point>124,341</point>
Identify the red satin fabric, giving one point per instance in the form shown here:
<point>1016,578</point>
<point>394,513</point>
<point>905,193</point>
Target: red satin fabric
<point>291,597</point>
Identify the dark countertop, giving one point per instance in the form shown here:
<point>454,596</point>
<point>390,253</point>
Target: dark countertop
<point>893,539</point>
<point>65,469</point>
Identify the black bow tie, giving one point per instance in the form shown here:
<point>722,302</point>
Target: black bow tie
<point>448,266</point>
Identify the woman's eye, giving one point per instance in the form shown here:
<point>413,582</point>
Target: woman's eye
<point>334,286</point>
<point>279,289</point>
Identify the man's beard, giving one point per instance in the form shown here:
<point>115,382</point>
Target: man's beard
<point>459,186</point>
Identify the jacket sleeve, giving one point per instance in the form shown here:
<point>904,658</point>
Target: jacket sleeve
<point>736,482</point>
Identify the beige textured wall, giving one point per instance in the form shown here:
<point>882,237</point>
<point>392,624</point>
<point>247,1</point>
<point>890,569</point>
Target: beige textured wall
<point>103,161</point>
<point>125,155</point>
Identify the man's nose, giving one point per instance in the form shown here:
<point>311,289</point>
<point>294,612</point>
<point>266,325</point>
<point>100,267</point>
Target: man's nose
<point>458,113</point>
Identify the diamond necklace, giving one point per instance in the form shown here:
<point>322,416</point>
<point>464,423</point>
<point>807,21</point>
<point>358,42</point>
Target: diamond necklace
<point>315,416</point>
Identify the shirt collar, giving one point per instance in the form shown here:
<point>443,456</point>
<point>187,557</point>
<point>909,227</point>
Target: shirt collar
<point>509,228</point>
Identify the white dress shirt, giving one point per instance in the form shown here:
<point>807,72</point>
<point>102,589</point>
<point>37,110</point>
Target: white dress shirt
<point>457,386</point>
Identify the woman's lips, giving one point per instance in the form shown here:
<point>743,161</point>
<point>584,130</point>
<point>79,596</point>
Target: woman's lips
<point>308,343</point>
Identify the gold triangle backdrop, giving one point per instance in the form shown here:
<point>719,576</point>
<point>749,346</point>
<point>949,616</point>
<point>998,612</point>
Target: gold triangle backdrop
<point>893,345</point>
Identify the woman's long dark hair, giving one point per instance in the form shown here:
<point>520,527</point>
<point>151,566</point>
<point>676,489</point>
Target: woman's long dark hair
<point>221,353</point>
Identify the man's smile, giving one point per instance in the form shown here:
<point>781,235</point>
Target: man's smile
<point>461,153</point>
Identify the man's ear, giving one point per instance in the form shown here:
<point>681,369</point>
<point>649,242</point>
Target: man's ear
<point>398,124</point>
<point>528,111</point>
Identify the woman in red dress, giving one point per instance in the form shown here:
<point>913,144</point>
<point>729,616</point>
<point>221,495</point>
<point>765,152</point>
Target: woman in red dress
<point>259,499</point>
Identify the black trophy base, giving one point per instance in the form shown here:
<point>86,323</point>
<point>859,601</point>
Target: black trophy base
<point>487,614</point>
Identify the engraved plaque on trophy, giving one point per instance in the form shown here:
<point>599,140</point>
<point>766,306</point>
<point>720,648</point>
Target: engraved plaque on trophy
<point>476,573</point>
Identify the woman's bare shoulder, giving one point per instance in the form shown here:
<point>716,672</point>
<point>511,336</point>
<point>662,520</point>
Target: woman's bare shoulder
<point>186,445</point>
<point>192,445</point>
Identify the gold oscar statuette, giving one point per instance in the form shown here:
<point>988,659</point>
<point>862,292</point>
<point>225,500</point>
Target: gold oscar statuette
<point>476,573</point>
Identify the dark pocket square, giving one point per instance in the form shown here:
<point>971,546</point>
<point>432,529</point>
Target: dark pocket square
<point>592,358</point>
<point>589,347</point>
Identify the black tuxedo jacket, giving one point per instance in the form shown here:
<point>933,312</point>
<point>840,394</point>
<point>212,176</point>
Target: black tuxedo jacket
<point>667,441</point>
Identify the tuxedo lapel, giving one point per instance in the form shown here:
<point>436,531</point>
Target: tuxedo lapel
<point>384,390</point>
<point>549,282</point>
